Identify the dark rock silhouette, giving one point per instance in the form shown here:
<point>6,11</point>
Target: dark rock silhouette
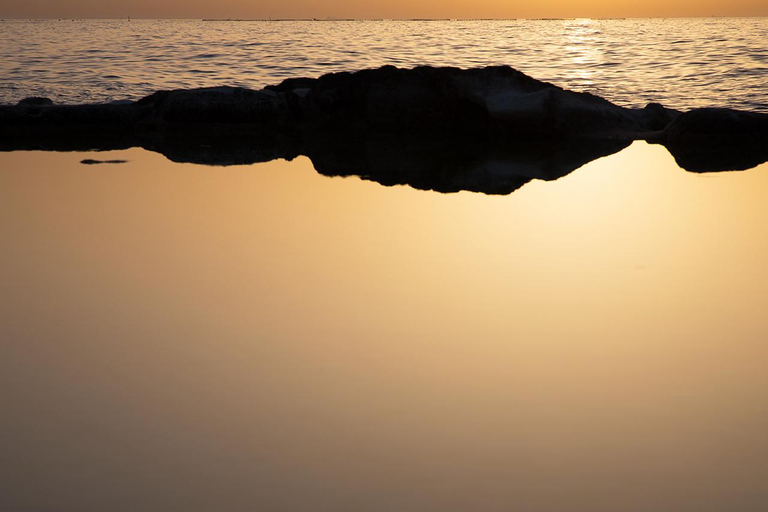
<point>496,99</point>
<point>717,139</point>
<point>489,130</point>
<point>449,99</point>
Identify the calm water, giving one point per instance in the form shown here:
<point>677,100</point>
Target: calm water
<point>178,337</point>
<point>187,338</point>
<point>682,63</point>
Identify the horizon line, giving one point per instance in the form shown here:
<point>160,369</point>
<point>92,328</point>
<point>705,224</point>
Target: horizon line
<point>543,18</point>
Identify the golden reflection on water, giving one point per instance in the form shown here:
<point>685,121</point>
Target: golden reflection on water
<point>583,52</point>
<point>178,337</point>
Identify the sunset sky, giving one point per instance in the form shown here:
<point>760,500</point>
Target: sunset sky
<point>377,8</point>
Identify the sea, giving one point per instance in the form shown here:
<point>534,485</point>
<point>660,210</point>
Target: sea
<point>681,63</point>
<point>177,336</point>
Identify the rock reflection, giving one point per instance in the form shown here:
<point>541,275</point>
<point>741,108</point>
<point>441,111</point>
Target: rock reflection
<point>455,165</point>
<point>425,163</point>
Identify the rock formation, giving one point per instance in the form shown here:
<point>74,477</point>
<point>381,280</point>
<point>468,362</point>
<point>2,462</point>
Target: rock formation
<point>446,129</point>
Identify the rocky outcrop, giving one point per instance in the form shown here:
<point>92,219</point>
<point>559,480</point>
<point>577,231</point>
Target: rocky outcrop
<point>448,99</point>
<point>493,99</point>
<point>489,130</point>
<point>717,139</point>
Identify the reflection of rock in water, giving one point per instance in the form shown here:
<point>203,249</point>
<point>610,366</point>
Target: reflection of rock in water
<point>488,130</point>
<point>454,165</point>
<point>444,165</point>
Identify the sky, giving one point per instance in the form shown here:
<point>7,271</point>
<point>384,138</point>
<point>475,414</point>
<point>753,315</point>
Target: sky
<point>378,8</point>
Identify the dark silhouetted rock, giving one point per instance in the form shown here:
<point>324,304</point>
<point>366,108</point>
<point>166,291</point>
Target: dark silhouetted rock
<point>231,105</point>
<point>717,139</point>
<point>492,99</point>
<point>490,129</point>
<point>449,99</point>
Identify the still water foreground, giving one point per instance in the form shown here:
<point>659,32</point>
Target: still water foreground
<point>181,337</point>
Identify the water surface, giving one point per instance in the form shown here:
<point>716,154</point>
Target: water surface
<point>682,63</point>
<point>181,337</point>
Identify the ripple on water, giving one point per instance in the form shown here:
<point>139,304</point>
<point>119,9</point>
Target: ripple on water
<point>718,62</point>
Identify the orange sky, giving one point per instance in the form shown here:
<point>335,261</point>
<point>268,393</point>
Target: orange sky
<point>378,8</point>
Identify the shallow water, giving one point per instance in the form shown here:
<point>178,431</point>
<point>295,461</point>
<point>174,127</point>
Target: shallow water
<point>682,63</point>
<point>182,337</point>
